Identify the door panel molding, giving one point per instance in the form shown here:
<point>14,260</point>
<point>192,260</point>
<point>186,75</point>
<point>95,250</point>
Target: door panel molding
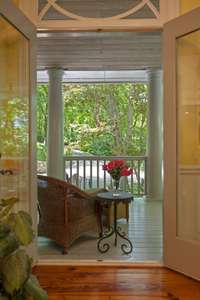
<point>179,254</point>
<point>17,18</point>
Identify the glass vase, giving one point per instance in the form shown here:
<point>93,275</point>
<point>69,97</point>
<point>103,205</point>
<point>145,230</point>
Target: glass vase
<point>116,184</point>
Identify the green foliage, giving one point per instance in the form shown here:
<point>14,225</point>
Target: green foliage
<point>8,244</point>
<point>16,280</point>
<point>14,116</point>
<point>101,119</point>
<point>33,288</point>
<point>42,121</point>
<point>41,152</point>
<point>5,207</point>
<point>21,225</point>
<point>106,119</point>
<point>15,270</point>
<point>42,112</point>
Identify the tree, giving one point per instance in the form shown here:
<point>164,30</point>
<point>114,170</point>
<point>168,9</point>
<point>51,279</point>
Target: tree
<point>42,121</point>
<point>101,119</point>
<point>14,123</point>
<point>106,119</point>
<point>42,112</point>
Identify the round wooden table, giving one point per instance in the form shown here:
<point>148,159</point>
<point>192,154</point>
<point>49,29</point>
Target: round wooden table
<point>115,197</point>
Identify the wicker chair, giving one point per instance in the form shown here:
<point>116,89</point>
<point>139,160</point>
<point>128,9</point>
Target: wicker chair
<point>66,212</point>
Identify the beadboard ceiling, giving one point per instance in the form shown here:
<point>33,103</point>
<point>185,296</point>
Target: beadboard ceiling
<point>83,51</point>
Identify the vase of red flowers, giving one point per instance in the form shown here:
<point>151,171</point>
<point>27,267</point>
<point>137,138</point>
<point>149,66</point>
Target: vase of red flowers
<point>116,184</point>
<point>117,168</point>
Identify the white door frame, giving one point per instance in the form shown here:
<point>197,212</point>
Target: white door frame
<point>14,16</point>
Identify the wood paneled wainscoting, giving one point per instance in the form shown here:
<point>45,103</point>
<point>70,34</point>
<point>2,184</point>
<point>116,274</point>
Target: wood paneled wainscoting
<point>116,283</point>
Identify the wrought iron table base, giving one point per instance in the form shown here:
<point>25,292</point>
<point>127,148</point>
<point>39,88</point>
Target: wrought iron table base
<point>126,248</point>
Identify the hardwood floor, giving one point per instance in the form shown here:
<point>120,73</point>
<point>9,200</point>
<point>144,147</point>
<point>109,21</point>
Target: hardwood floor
<point>115,283</point>
<point>144,230</point>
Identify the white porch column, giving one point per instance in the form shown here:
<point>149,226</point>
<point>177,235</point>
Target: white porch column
<point>155,136</point>
<point>55,125</point>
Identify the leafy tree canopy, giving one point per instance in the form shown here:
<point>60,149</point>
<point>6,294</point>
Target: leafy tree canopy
<point>14,116</point>
<point>101,119</point>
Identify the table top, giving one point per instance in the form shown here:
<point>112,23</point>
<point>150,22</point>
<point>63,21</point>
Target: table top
<point>113,195</point>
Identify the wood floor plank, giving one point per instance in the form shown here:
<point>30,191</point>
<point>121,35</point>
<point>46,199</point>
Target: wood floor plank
<point>87,297</point>
<point>116,283</point>
<point>78,297</point>
<point>138,298</point>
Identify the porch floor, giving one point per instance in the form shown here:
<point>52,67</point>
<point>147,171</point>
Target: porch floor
<point>144,230</point>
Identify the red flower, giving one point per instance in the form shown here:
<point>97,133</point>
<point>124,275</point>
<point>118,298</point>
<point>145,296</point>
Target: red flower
<point>119,163</point>
<point>105,167</point>
<point>111,165</point>
<point>117,168</point>
<point>126,171</point>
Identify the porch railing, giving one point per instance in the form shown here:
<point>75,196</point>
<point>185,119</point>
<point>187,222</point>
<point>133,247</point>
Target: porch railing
<point>86,172</point>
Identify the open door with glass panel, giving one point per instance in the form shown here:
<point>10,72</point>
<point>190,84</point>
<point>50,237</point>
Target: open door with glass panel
<point>17,109</point>
<point>182,144</point>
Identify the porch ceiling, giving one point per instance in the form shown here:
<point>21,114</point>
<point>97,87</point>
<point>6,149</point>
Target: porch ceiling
<point>97,76</point>
<point>99,50</point>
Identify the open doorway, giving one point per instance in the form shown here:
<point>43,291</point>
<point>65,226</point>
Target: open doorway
<point>106,117</point>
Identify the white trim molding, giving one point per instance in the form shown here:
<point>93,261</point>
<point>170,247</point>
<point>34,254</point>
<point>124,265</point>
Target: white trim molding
<point>67,13</point>
<point>169,9</point>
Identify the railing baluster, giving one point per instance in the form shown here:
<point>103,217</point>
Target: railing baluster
<point>97,173</point>
<point>71,170</point>
<point>77,172</point>
<point>64,169</point>
<point>104,176</point>
<point>102,179</point>
<point>132,177</point>
<point>84,174</point>
<point>91,181</point>
<point>145,175</point>
<point>139,188</point>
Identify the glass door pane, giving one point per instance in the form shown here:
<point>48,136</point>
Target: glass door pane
<point>14,114</point>
<point>188,135</point>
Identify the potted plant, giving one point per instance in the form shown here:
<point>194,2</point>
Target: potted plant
<point>16,280</point>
